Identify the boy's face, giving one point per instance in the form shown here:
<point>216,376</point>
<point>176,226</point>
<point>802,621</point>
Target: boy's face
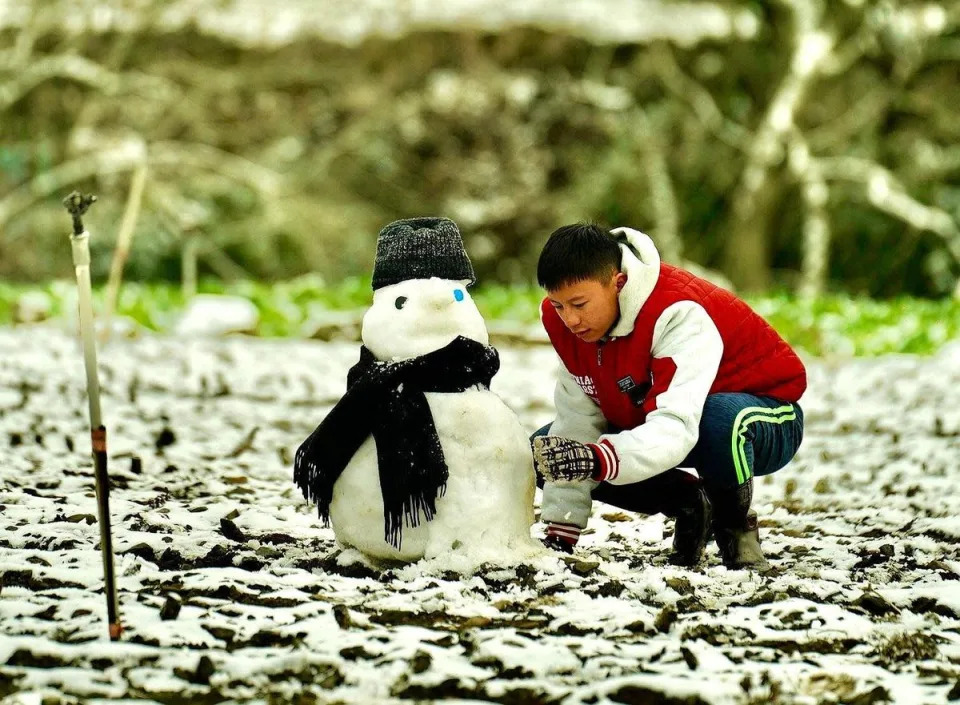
<point>589,308</point>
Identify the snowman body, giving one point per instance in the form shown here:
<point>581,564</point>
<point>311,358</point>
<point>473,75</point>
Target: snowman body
<point>487,506</point>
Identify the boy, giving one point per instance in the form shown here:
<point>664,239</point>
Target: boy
<point>659,370</point>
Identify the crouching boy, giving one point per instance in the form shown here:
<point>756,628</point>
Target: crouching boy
<point>659,370</point>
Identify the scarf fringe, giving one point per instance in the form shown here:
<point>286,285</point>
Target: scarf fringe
<point>309,478</point>
<point>409,513</point>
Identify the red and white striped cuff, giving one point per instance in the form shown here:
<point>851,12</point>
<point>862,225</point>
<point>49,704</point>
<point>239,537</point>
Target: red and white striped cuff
<point>609,461</point>
<point>566,532</point>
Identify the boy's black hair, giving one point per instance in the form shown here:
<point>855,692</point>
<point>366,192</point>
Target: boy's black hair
<point>575,253</point>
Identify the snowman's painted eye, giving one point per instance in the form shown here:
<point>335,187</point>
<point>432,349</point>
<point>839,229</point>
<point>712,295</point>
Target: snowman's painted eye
<point>401,300</point>
<point>458,294</point>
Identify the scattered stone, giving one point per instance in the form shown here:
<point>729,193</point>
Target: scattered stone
<point>584,567</point>
<point>269,552</point>
<point>165,439</point>
<point>170,559</point>
<point>342,615</point>
<point>142,550</point>
<point>879,694</point>
<point>251,564</point>
<point>926,605</point>
<point>217,557</point>
<point>421,661</point>
<point>275,538</point>
<point>610,588</point>
<point>665,619</point>
<point>222,633</point>
<point>875,604</point>
<point>477,622</point>
<point>201,674</point>
<point>643,695</point>
<point>170,609</point>
<point>48,615</point>
<point>16,578</point>
<point>231,531</point>
<point>275,639</point>
<point>690,658</point>
<point>357,653</point>
<point>681,585</point>
<point>27,659</point>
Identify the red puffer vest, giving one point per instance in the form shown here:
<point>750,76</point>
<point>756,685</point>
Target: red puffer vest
<point>623,379</point>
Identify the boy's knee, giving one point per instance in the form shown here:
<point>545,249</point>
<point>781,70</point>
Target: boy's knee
<point>719,415</point>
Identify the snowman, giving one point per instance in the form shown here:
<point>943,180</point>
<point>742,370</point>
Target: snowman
<point>420,459</point>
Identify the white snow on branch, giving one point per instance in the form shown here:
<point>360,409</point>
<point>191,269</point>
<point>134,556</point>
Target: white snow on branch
<point>267,23</point>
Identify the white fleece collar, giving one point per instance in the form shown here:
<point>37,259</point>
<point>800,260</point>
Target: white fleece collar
<point>641,264</point>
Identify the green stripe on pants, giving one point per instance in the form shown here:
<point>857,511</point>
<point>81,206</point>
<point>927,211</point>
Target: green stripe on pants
<point>739,440</point>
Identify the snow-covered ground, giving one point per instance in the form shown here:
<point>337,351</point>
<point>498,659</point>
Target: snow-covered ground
<point>231,591</point>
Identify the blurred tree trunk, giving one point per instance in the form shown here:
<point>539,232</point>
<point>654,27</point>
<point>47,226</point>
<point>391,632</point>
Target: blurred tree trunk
<point>746,256</point>
<point>746,252</point>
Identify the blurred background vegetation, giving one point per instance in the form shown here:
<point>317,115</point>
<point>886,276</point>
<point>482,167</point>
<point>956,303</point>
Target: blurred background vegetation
<point>799,146</point>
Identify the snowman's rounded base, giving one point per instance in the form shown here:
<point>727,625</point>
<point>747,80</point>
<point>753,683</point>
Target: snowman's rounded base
<point>486,510</point>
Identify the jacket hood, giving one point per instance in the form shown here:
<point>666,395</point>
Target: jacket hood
<point>641,264</point>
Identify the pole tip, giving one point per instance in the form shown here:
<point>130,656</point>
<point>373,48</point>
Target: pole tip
<point>115,630</point>
<point>77,204</point>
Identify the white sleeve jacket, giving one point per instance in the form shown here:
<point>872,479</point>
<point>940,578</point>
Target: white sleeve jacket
<point>684,334</point>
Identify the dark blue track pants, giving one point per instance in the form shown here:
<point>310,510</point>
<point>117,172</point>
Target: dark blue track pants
<point>741,435</point>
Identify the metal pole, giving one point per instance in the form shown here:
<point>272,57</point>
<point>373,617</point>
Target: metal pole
<point>77,204</point>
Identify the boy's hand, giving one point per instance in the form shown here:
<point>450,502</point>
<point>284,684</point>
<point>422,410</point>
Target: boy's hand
<point>564,460</point>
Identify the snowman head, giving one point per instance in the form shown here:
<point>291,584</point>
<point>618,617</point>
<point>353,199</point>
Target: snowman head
<point>417,316</point>
<point>420,299</point>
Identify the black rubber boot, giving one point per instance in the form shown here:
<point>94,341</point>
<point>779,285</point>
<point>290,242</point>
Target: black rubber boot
<point>691,531</point>
<point>740,545</point>
<point>735,528</point>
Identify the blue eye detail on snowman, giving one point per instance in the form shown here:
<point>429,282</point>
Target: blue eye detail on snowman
<point>458,294</point>
<point>401,300</point>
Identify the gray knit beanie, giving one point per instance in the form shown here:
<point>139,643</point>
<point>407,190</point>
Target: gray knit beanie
<point>420,248</point>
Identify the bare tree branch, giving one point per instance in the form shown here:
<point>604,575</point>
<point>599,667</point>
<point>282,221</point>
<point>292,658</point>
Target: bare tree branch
<point>886,193</point>
<point>816,223</point>
<point>118,160</point>
<point>937,161</point>
<point>132,153</point>
<point>204,157</point>
<point>863,112</point>
<point>73,67</point>
<point>124,239</point>
<point>662,196</point>
<point>745,255</point>
<point>690,91</point>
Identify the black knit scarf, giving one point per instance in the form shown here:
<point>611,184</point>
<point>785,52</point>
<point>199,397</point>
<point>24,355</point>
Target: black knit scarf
<point>387,399</point>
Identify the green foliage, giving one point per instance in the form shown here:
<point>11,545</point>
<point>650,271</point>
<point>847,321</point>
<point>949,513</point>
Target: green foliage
<point>834,325</point>
<point>846,326</point>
